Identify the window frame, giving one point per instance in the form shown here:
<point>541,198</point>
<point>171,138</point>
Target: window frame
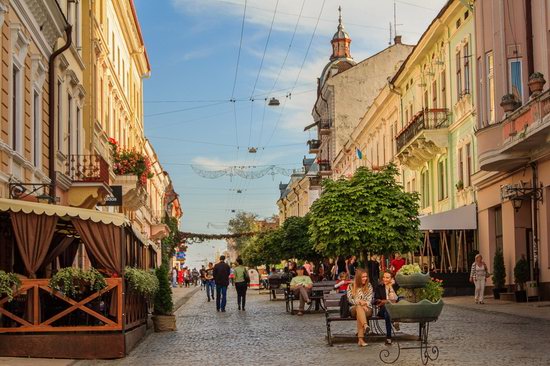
<point>510,77</point>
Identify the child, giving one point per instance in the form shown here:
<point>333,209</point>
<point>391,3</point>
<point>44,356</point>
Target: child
<point>343,282</point>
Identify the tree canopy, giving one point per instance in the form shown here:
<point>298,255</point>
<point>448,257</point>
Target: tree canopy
<point>243,222</point>
<point>368,212</point>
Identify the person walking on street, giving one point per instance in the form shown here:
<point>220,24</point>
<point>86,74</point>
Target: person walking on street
<point>174,277</point>
<point>241,283</point>
<point>221,278</point>
<point>202,271</point>
<point>301,285</point>
<point>478,275</point>
<point>360,296</point>
<point>180,277</point>
<point>209,279</point>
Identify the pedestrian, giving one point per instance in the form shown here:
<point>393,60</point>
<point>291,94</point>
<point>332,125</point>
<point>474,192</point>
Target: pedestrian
<point>360,296</point>
<point>385,292</point>
<point>478,276</point>
<point>308,268</point>
<point>232,275</point>
<point>195,277</point>
<point>396,263</point>
<point>241,283</point>
<point>174,277</point>
<point>221,274</point>
<point>187,277</point>
<point>209,279</point>
<point>373,268</point>
<point>301,285</point>
<point>180,277</point>
<point>202,271</point>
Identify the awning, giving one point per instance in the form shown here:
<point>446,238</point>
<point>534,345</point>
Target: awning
<point>62,211</point>
<point>462,218</point>
<point>310,126</point>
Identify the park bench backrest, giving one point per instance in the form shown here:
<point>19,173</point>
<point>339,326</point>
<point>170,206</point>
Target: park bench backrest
<point>332,302</point>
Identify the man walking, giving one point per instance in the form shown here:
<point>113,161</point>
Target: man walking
<point>221,278</point>
<point>209,278</point>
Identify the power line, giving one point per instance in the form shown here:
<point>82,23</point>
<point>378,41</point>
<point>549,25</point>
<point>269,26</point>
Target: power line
<point>185,109</point>
<point>239,53</point>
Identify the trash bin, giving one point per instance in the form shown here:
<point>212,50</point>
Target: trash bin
<point>532,289</point>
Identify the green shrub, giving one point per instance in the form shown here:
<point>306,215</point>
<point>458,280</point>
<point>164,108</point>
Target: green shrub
<point>521,272</point>
<point>408,269</point>
<point>8,281</point>
<point>163,297</point>
<point>141,281</point>
<point>499,270</point>
<point>71,281</point>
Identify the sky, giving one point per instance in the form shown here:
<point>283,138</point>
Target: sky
<point>205,103</point>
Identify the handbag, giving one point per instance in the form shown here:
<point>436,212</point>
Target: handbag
<point>246,277</point>
<point>345,311</point>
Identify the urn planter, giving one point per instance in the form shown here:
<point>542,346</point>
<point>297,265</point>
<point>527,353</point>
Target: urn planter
<point>405,311</point>
<point>413,280</point>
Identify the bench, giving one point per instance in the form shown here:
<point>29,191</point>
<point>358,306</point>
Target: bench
<point>318,290</point>
<point>277,286</point>
<point>331,303</point>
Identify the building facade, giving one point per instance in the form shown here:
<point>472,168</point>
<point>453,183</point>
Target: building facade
<point>513,145</point>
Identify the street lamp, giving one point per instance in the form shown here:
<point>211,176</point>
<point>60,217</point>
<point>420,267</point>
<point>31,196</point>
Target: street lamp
<point>44,198</point>
<point>517,203</point>
<point>273,102</point>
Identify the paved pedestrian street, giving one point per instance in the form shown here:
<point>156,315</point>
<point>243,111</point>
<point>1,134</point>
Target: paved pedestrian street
<point>266,335</point>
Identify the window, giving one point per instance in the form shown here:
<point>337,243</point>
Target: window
<point>489,66</point>
<point>498,227</point>
<point>460,166</point>
<point>443,83</point>
<point>516,78</point>
<point>434,94</point>
<point>425,177</point>
<point>468,165</point>
<point>69,124</point>
<point>458,75</point>
<point>78,130</point>
<point>59,115</point>
<point>466,56</point>
<point>37,128</point>
<point>442,179</point>
<point>16,108</point>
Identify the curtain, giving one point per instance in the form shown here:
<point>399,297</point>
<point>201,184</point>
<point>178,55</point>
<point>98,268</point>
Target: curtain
<point>33,234</point>
<point>66,258</point>
<point>103,241</point>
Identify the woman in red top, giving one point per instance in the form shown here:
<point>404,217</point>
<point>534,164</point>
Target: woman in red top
<point>180,277</point>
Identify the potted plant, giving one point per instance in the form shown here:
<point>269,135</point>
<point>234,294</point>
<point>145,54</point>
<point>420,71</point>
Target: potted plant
<point>459,185</point>
<point>521,276</point>
<point>499,274</point>
<point>163,314</point>
<point>421,303</point>
<point>74,282</point>
<point>9,283</point>
<point>536,82</point>
<point>509,102</point>
<point>141,281</point>
<point>411,276</point>
<point>126,161</point>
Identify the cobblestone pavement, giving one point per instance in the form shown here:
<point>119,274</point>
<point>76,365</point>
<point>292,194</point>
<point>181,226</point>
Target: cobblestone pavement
<point>266,335</point>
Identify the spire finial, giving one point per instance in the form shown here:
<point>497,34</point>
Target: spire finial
<point>339,15</point>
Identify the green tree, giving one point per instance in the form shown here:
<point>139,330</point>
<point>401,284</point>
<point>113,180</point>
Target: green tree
<point>264,248</point>
<point>169,243</point>
<point>243,222</point>
<point>368,213</point>
<point>296,241</point>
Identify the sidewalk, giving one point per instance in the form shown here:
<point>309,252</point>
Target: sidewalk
<point>532,309</point>
<point>180,296</point>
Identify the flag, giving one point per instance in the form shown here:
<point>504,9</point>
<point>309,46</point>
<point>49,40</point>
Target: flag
<point>359,153</point>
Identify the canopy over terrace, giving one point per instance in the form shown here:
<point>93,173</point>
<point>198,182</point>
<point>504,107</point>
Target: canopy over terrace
<point>36,234</point>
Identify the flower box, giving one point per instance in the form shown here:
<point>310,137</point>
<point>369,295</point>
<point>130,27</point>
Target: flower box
<point>405,311</point>
<point>413,280</point>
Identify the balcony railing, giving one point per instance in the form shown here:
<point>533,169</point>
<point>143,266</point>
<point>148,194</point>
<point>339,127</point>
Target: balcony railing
<point>429,119</point>
<point>88,168</point>
<point>324,126</point>
<point>324,166</point>
<point>314,146</point>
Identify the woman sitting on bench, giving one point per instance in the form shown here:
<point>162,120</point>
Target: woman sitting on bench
<point>360,297</point>
<point>385,292</point>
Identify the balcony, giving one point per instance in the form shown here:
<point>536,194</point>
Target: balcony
<point>425,136</point>
<point>314,146</point>
<point>511,143</point>
<point>89,175</point>
<point>324,127</point>
<point>325,168</point>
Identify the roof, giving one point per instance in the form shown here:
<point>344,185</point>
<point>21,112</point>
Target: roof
<point>138,27</point>
<point>11,205</point>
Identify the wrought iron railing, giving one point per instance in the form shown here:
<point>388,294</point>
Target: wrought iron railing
<point>429,119</point>
<point>314,145</point>
<point>88,168</point>
<point>324,166</point>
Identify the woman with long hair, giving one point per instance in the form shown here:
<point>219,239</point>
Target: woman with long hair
<point>360,298</point>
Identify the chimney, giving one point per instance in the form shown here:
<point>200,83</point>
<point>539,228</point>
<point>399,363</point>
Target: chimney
<point>397,40</point>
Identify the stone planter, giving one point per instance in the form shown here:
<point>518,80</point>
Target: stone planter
<point>164,323</point>
<point>414,280</point>
<point>536,85</point>
<point>423,310</point>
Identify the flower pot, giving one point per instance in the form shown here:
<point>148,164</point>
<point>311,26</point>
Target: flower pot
<point>405,311</point>
<point>508,105</point>
<point>164,323</point>
<point>497,292</point>
<point>536,85</point>
<point>521,296</point>
<point>414,280</point>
